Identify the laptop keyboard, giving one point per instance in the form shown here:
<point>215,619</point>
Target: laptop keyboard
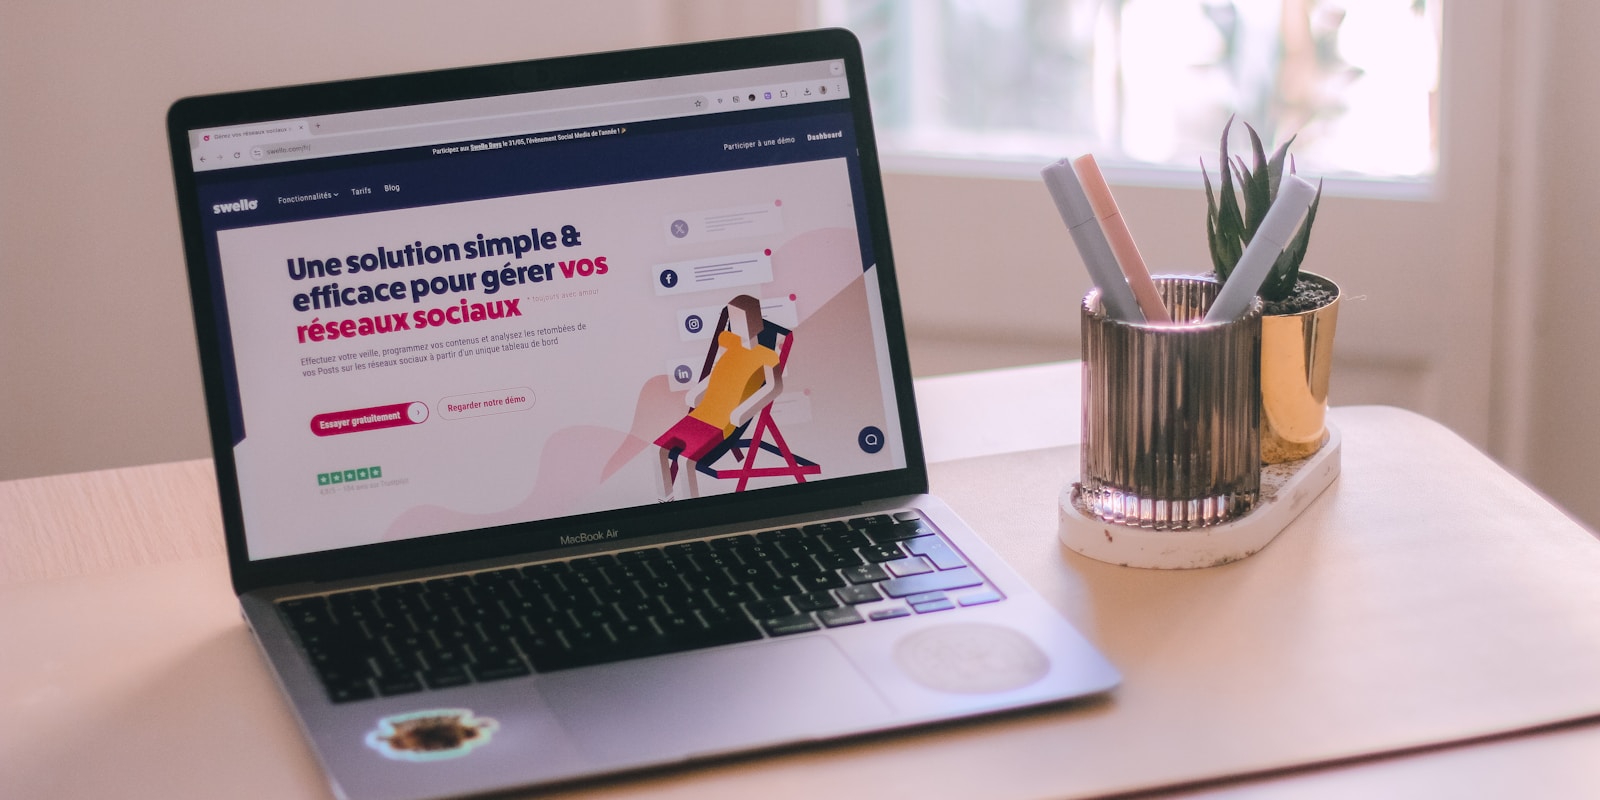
<point>502,623</point>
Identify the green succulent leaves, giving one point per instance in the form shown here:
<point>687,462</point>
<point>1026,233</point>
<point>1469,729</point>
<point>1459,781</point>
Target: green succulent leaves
<point>1232,216</point>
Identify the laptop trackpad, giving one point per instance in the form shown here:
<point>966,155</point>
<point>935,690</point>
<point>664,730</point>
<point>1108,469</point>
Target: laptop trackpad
<point>714,701</point>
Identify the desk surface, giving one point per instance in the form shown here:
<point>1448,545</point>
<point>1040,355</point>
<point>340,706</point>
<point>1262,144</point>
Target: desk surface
<point>1427,599</point>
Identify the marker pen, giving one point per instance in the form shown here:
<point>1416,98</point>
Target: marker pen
<point>1283,218</point>
<point>1115,296</point>
<point>1120,239</point>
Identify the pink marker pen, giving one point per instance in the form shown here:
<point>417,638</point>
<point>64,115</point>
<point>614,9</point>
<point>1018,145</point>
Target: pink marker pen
<point>1121,241</point>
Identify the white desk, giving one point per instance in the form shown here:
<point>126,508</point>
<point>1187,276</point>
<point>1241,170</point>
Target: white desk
<point>1428,598</point>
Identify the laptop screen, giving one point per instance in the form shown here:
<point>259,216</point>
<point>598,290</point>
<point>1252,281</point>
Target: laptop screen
<point>548,305</point>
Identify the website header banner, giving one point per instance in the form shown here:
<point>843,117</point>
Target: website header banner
<point>521,114</point>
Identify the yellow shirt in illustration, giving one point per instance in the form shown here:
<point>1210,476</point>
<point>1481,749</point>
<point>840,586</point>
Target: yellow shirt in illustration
<point>735,376</point>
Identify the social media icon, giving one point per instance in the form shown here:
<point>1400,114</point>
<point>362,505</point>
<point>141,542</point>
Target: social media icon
<point>682,374</point>
<point>693,323</point>
<point>680,228</point>
<point>870,439</point>
<point>669,278</point>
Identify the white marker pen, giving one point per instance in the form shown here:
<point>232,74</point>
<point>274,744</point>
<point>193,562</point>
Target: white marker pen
<point>1115,296</point>
<point>1283,218</point>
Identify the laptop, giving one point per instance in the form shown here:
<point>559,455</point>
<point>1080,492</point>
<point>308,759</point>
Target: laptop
<point>563,423</point>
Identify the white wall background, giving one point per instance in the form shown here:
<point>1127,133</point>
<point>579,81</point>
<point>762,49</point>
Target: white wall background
<point>97,362</point>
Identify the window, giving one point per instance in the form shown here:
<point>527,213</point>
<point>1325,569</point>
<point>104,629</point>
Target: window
<point>1150,83</point>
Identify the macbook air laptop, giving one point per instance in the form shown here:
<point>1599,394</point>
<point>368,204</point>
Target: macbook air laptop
<point>563,423</point>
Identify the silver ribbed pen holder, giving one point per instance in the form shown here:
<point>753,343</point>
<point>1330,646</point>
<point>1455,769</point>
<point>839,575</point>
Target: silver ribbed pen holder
<point>1171,413</point>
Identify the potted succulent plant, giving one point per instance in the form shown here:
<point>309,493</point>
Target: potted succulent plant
<point>1300,309</point>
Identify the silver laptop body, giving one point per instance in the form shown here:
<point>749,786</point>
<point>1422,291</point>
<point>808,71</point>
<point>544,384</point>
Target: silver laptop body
<point>563,423</point>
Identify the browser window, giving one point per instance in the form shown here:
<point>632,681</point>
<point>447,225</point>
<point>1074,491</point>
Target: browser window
<point>491,312</point>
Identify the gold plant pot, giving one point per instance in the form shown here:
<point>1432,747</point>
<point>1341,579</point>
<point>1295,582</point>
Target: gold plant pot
<point>1296,362</point>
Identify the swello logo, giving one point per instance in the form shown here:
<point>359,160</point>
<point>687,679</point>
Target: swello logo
<point>242,204</point>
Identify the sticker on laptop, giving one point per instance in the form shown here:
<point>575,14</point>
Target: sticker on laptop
<point>431,735</point>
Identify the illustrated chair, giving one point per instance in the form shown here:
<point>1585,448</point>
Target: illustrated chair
<point>745,448</point>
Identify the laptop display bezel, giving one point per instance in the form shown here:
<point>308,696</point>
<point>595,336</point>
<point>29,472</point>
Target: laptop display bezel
<point>247,107</point>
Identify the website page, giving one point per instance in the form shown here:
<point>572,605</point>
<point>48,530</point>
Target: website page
<point>488,332</point>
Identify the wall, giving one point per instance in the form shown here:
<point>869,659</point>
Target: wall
<point>98,368</point>
<point>1560,256</point>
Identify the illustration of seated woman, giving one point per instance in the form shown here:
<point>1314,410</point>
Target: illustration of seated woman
<point>740,377</point>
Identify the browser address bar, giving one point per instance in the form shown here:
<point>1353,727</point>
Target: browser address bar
<point>330,140</point>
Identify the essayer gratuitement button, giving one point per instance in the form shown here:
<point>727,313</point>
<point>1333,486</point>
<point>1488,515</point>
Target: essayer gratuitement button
<point>334,423</point>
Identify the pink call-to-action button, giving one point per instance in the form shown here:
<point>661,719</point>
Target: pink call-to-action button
<point>369,419</point>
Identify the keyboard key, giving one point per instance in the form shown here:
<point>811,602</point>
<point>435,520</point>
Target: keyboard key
<point>862,523</point>
<point>820,581</point>
<point>800,565</point>
<point>349,690</point>
<point>499,670</point>
<point>846,539</point>
<point>307,612</point>
<point>790,624</point>
<point>867,573</point>
<point>446,657</point>
<point>981,598</point>
<point>756,554</point>
<point>862,593</point>
<point>795,548</point>
<point>936,551</point>
<point>839,617</point>
<point>403,683</point>
<point>450,585</point>
<point>841,559</point>
<point>780,535</point>
<point>776,587</point>
<point>720,617</point>
<point>899,531</point>
<point>940,581</point>
<point>823,528</point>
<point>713,561</point>
<point>889,613</point>
<point>489,577</point>
<point>914,565</point>
<point>638,556</point>
<point>879,553</point>
<point>942,604</point>
<point>729,596</point>
<point>579,580</point>
<point>592,562</point>
<point>445,677</point>
<point>813,601</point>
<point>751,572</point>
<point>765,609</point>
<point>731,542</point>
<point>689,601</point>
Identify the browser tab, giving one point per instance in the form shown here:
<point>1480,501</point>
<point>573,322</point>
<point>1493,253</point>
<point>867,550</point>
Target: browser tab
<point>251,135</point>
